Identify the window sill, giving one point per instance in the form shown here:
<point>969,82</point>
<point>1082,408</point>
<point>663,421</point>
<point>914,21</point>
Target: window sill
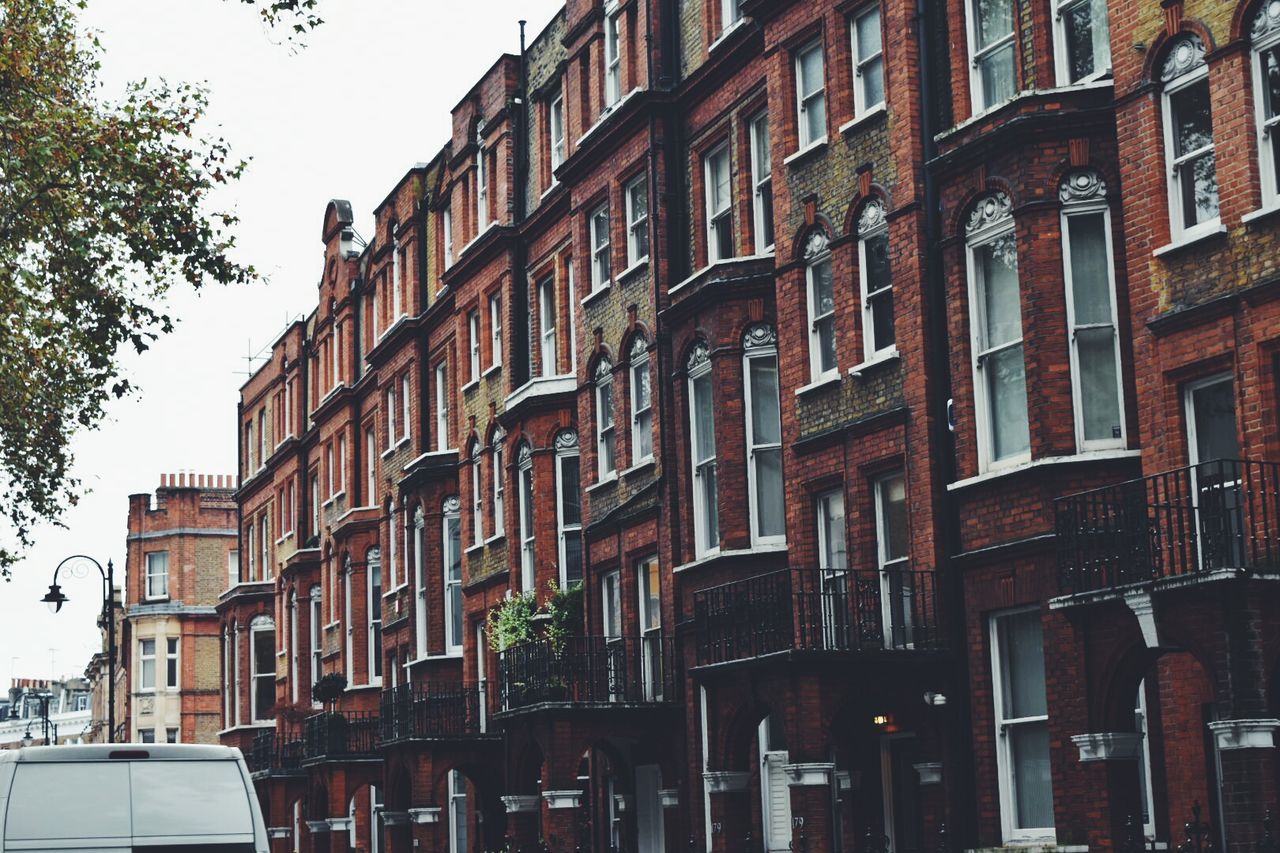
<point>495,538</point>
<point>1087,456</point>
<point>806,152</point>
<point>404,439</point>
<point>595,294</point>
<point>1191,238</point>
<point>885,357</point>
<point>726,34</point>
<point>425,658</point>
<point>609,480</point>
<point>471,386</point>
<point>634,269</point>
<point>329,502</point>
<point>493,368</point>
<point>332,625</point>
<point>831,379</point>
<point>732,553</point>
<point>878,111</point>
<point>473,548</point>
<point>1264,212</point>
<point>386,453</point>
<point>643,465</point>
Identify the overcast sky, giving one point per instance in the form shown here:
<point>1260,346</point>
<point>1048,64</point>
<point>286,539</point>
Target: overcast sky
<point>346,117</point>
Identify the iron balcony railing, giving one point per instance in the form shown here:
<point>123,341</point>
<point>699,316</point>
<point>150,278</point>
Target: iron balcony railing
<point>586,670</point>
<point>438,710</point>
<point>824,610</point>
<point>274,751</point>
<point>1223,514</point>
<point>340,734</point>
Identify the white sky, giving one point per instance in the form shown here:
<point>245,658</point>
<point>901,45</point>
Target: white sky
<point>345,117</point>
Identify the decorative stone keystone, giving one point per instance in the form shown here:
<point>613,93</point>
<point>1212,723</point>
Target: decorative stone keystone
<point>1142,607</point>
<point>1245,734</point>
<point>426,814</point>
<point>395,818</point>
<point>669,798</point>
<point>340,824</point>
<point>930,772</point>
<point>567,799</point>
<point>725,781</point>
<point>279,832</point>
<point>317,826</point>
<point>1108,746</point>
<point>520,803</point>
<point>814,773</point>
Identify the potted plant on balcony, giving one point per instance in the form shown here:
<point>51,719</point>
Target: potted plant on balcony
<point>327,689</point>
<point>564,612</point>
<point>510,624</point>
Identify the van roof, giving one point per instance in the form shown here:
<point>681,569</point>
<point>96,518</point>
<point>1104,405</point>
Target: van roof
<point>125,751</point>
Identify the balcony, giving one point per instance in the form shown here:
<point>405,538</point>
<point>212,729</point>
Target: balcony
<point>340,736</point>
<point>586,671</point>
<point>1181,524</point>
<point>434,712</point>
<point>275,753</point>
<point>817,610</point>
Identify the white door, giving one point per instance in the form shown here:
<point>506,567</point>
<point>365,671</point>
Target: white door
<point>649,830</point>
<point>774,791</point>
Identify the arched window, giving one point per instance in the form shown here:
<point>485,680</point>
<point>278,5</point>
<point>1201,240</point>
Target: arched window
<point>419,582</point>
<point>821,303</point>
<point>451,547</point>
<point>702,441</point>
<point>878,337</point>
<point>1265,38</point>
<point>764,434</point>
<point>262,643</point>
<point>1188,140</point>
<point>373,585</point>
<point>568,508</point>
<point>1089,275</point>
<point>499,489</point>
<point>606,438</point>
<point>641,402</point>
<point>995,324</point>
<point>524,467</point>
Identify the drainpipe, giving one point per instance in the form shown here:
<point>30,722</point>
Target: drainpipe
<point>519,256</point>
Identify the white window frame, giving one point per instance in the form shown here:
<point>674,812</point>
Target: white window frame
<point>348,623</point>
<point>406,384</point>
<point>703,514</point>
<point>315,632</point>
<point>495,330</point>
<point>233,567</point>
<point>229,677</point>
<point>293,649</point>
<point>761,184</point>
<point>340,457</point>
<point>1012,834</point>
<point>1267,38</point>
<point>452,638</point>
<point>1091,208</point>
<point>147,655</point>
<point>650,624</point>
<point>264,543</point>
<point>420,582</point>
<point>477,496</point>
<point>172,651</point>
<point>548,329</point>
<point>818,253</point>
<point>573,316</point>
<point>872,225</point>
<point>1062,50</point>
<point>767,348</point>
<point>457,805</point>
<point>719,212</point>
<point>1179,232</point>
<point>861,106</point>
<point>397,283</point>
<point>606,433</point>
<point>567,448</point>
<point>637,226</point>
<point>373,604</point>
<point>442,406</point>
<point>482,187</point>
<point>555,131</point>
<point>730,14</point>
<point>528,571</point>
<point>641,410</point>
<point>393,529</point>
<point>446,227</point>
<point>888,565</point>
<point>371,468</point>
<point>391,416</point>
<point>1001,226</point>
<point>259,625</point>
<point>250,539</point>
<point>612,56</point>
<point>158,575</point>
<point>473,330</point>
<point>499,494</point>
<point>601,262</point>
<point>806,100</point>
<point>977,93</point>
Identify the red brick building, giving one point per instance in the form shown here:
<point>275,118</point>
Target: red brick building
<point>824,426</point>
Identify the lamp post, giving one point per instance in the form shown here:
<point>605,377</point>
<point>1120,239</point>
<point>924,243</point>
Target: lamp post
<point>78,566</point>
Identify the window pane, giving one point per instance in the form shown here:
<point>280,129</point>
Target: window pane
<point>1192,120</point>
<point>718,179</point>
<point>1007,389</point>
<point>823,294</point>
<point>1033,787</point>
<point>868,33</point>
<point>831,517</point>
<point>994,20</point>
<point>573,557</point>
<point>454,526</point>
<point>1002,310</point>
<point>570,490</point>
<point>810,70</point>
<point>1098,390</point>
<point>644,436</point>
<point>876,255</point>
<point>1199,181</point>
<point>1088,39</point>
<point>766,426</point>
<point>1090,269</point>
<point>826,330</point>
<point>1022,661</point>
<point>882,329</point>
<point>873,82</point>
<point>640,376</point>
<point>815,115</point>
<point>705,447</point>
<point>997,76</point>
<point>710,498</point>
<point>769,492</point>
<point>650,591</point>
<point>893,507</point>
<point>763,165</point>
<point>1214,410</point>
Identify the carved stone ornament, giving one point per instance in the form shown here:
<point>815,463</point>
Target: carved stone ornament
<point>759,336</point>
<point>604,367</point>
<point>452,505</point>
<point>566,439</point>
<point>639,346</point>
<point>991,210</point>
<point>698,356</point>
<point>1185,54</point>
<point>1267,20</point>
<point>523,454</point>
<point>498,435</point>
<point>815,244</point>
<point>1083,185</point>
<point>872,217</point>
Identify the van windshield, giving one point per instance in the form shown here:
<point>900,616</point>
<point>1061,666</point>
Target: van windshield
<point>157,803</point>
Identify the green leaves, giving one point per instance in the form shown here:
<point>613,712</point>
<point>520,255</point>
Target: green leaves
<point>103,208</point>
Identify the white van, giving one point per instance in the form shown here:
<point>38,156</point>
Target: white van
<point>112,798</point>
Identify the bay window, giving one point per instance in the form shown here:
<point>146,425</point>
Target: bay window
<point>373,582</point>
<point>499,490</point>
<point>715,169</point>
<point>1265,35</point>
<point>995,306</point>
<point>641,403</point>
<point>605,438</point>
<point>391,416</point>
<point>702,435</point>
<point>761,184</point>
<point>548,338</point>
<point>452,550</point>
<point>1082,35</point>
<point>764,435</point>
<point>262,643</point>
<point>601,272</point>
<point>637,197</point>
<point>1188,140</point>
<point>868,61</point>
<point>568,508</point>
<point>406,414</point>
<point>1022,727</point>
<point>524,465</point>
<point>811,97</point>
<point>419,581</point>
<point>158,574</point>
<point>897,589</point>
<point>878,336</point>
<point>822,308</point>
<point>992,77</point>
<point>1091,311</point>
<point>315,636</point>
<point>651,627</point>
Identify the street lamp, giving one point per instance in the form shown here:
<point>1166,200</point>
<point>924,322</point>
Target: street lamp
<point>78,566</point>
<point>27,739</point>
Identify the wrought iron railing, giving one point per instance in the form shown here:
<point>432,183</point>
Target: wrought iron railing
<point>586,670</point>
<point>806,609</point>
<point>274,751</point>
<point>437,710</point>
<point>340,734</point>
<point>1217,515</point>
